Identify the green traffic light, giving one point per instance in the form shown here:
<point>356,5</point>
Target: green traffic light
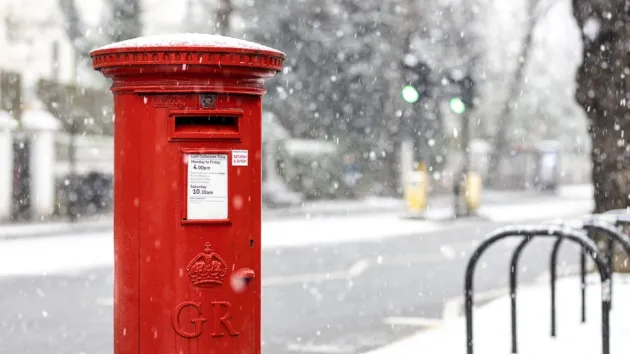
<point>410,94</point>
<point>457,105</point>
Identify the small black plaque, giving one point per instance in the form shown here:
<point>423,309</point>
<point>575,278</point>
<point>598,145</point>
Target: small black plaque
<point>208,101</point>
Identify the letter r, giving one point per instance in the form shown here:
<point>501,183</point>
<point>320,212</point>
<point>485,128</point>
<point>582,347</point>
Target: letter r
<point>222,320</point>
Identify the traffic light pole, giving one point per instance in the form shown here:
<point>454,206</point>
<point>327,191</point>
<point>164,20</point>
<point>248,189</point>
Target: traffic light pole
<point>416,75</point>
<point>459,188</point>
<point>459,181</point>
<point>466,139</point>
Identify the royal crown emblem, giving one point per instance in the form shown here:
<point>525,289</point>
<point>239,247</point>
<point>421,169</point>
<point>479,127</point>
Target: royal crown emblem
<point>207,269</point>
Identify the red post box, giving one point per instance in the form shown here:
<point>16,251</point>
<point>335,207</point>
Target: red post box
<point>187,191</point>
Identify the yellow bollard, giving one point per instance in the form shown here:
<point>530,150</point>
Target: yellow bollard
<point>472,191</point>
<point>416,192</point>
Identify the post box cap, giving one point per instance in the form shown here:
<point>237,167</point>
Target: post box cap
<point>187,48</point>
<point>188,41</point>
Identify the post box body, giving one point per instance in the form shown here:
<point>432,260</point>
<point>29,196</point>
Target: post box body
<point>187,193</point>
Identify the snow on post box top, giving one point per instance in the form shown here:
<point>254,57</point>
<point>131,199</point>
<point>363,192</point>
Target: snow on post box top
<point>187,49</point>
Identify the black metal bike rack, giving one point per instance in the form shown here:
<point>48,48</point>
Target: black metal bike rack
<point>513,283</point>
<point>619,217</point>
<point>529,232</point>
<point>612,234</point>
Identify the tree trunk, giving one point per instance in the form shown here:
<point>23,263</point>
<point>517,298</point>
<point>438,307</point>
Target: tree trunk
<point>602,83</point>
<point>75,28</point>
<point>223,16</point>
<point>125,22</point>
<point>501,142</point>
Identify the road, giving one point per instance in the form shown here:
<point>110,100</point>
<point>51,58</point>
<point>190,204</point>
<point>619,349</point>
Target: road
<point>343,298</point>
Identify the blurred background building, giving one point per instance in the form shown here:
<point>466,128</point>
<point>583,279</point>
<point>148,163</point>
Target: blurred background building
<point>336,123</point>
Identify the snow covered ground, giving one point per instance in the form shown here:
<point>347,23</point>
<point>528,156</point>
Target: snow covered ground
<point>63,253</point>
<point>330,230</point>
<point>527,212</point>
<point>496,205</point>
<point>326,230</point>
<point>492,324</point>
<point>26,230</point>
<point>76,252</point>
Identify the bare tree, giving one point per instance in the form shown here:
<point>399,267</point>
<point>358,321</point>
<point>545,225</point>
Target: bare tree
<point>75,28</point>
<point>123,23</point>
<point>198,19</point>
<point>537,9</point>
<point>124,19</point>
<point>603,80</point>
<point>223,16</point>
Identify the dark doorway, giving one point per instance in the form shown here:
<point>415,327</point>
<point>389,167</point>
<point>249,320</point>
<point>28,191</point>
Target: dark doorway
<point>21,179</point>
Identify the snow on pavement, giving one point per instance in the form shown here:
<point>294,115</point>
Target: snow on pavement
<point>53,228</point>
<point>62,254</point>
<point>59,254</point>
<point>73,253</point>
<point>536,211</point>
<point>492,333</point>
<point>331,230</point>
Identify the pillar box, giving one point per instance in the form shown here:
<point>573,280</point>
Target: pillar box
<point>187,191</point>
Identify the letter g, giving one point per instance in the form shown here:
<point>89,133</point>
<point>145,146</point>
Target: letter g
<point>198,321</point>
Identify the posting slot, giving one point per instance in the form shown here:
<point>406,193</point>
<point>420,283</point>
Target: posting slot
<point>219,126</point>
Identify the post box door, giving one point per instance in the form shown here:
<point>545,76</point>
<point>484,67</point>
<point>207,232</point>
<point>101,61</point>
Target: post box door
<point>200,244</point>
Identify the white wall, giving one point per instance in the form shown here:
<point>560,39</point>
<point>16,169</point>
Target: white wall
<point>27,32</point>
<point>34,25</point>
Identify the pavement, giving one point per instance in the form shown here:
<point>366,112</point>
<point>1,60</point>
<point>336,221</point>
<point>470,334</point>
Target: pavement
<point>343,284</point>
<point>439,209</point>
<point>340,298</point>
<point>492,330</point>
<point>375,205</point>
<point>11,231</point>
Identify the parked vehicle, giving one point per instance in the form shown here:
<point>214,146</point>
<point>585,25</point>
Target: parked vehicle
<point>276,194</point>
<point>315,168</point>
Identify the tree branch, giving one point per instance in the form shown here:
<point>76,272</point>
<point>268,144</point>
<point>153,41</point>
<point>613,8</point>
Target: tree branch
<point>74,27</point>
<point>124,22</point>
<point>223,16</point>
<point>505,117</point>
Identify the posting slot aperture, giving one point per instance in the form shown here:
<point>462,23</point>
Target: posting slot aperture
<point>201,124</point>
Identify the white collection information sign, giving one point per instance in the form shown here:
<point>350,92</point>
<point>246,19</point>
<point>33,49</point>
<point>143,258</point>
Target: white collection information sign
<point>239,157</point>
<point>207,187</point>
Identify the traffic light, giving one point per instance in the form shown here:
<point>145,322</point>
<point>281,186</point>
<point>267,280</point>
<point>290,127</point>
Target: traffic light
<point>457,105</point>
<point>410,94</point>
<point>417,81</point>
<point>463,96</point>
